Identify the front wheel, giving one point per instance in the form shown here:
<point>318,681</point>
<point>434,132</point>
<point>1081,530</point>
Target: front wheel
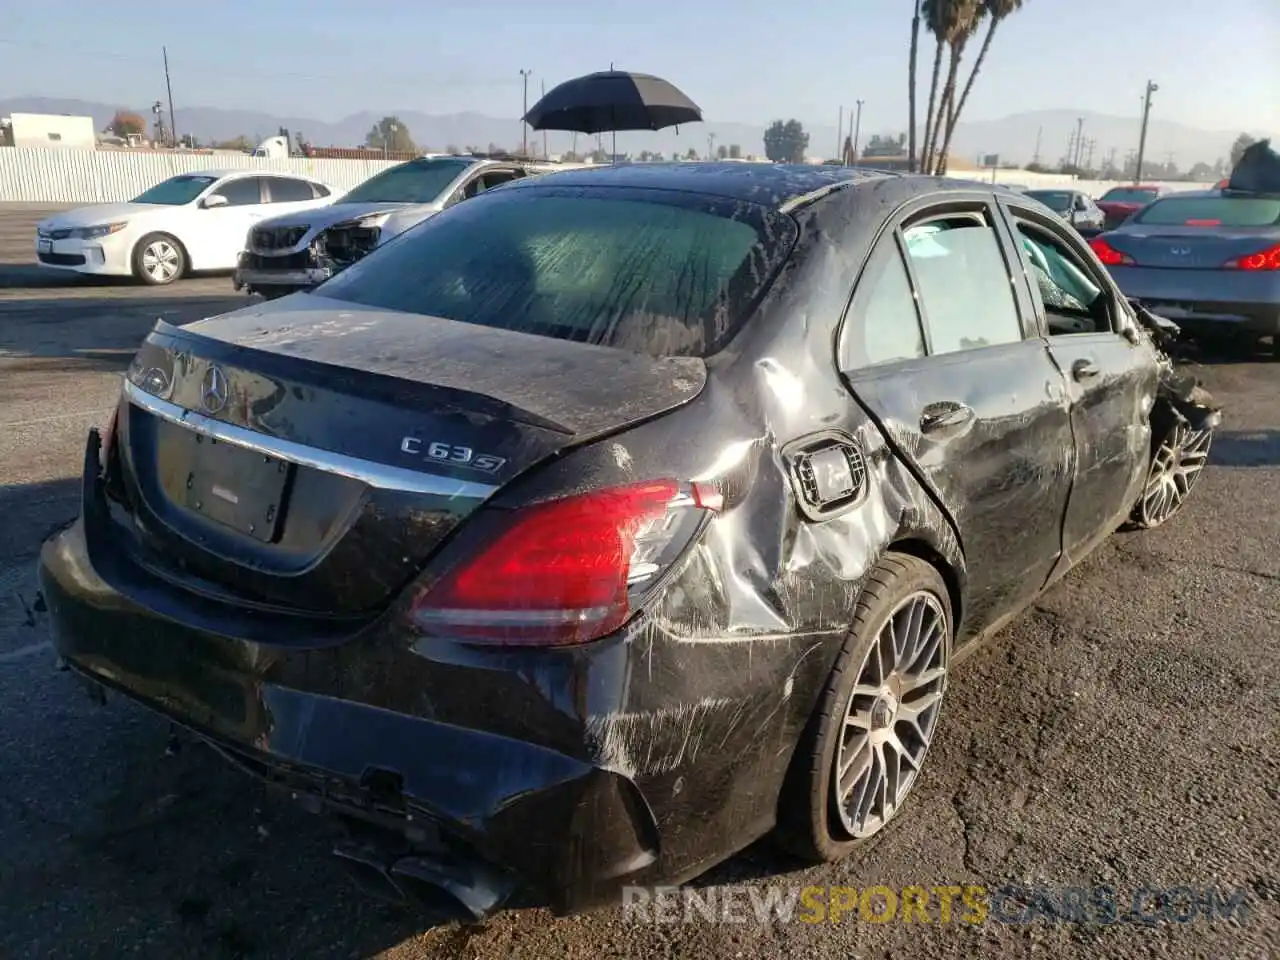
<point>1178,462</point>
<point>159,259</point>
<point>877,715</point>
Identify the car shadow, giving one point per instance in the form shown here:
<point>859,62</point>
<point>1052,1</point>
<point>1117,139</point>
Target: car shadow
<point>33,276</point>
<point>1246,448</point>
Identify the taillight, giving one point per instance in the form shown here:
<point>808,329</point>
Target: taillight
<point>1268,259</point>
<point>570,570</point>
<point>1109,255</point>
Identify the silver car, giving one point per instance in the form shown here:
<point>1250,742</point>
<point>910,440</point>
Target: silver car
<point>1077,208</point>
<point>298,251</point>
<point>1208,260</point>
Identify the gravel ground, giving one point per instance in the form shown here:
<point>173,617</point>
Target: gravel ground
<point>1121,733</point>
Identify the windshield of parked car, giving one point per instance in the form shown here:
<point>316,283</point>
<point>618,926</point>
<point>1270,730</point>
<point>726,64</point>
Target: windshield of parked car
<point>176,191</point>
<point>1058,200</point>
<point>1128,195</point>
<point>665,273</point>
<point>1212,212</point>
<point>418,181</point>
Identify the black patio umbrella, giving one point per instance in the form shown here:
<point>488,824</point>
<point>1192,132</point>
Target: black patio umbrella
<point>613,100</point>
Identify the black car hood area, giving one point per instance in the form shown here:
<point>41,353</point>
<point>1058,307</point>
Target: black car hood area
<point>578,388</point>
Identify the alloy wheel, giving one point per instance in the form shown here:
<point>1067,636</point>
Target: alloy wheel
<point>161,261</point>
<point>1174,471</point>
<point>891,715</point>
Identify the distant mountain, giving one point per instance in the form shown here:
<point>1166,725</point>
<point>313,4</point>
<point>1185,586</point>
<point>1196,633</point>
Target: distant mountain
<point>1015,138</point>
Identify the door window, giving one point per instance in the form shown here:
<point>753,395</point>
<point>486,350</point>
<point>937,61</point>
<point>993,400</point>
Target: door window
<point>242,192</point>
<point>883,325</point>
<point>288,190</point>
<point>963,283</point>
<point>1070,298</point>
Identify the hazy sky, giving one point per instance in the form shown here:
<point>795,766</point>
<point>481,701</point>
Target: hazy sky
<point>741,60</point>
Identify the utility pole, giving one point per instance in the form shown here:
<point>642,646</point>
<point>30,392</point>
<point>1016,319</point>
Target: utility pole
<point>546,154</point>
<point>711,146</point>
<point>840,135</point>
<point>857,129</point>
<point>173,120</point>
<point>1036,156</point>
<point>1089,146</point>
<point>524,124</point>
<point>1075,159</point>
<point>1152,87</point>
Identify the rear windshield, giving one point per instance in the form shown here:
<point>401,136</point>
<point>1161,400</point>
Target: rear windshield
<point>1053,199</point>
<point>653,271</point>
<point>1128,195</point>
<point>418,181</point>
<point>1212,212</point>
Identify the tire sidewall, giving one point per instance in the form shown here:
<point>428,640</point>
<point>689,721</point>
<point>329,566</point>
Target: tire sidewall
<point>147,241</point>
<point>904,575</point>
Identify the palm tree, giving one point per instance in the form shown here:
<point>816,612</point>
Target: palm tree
<point>911,86</point>
<point>997,11</point>
<point>943,18</point>
<point>966,15</point>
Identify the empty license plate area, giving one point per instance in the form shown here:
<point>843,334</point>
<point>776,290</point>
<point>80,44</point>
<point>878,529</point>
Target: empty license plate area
<point>239,488</point>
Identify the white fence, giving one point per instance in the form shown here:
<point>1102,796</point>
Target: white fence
<point>36,175</point>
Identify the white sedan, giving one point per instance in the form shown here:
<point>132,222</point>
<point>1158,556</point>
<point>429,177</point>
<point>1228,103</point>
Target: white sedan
<point>188,223</point>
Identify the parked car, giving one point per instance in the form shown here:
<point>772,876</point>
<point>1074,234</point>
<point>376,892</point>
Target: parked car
<point>604,523</point>
<point>1077,208</point>
<point>189,223</point>
<point>1209,260</point>
<point>300,250</point>
<point>1120,203</point>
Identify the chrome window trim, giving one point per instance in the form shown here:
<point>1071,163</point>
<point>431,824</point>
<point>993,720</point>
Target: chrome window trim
<point>381,476</point>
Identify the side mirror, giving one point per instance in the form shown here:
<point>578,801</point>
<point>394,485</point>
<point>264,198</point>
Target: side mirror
<point>213,200</point>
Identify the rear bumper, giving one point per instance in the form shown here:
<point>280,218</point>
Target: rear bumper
<point>499,816</point>
<point>1205,301</point>
<point>293,279</point>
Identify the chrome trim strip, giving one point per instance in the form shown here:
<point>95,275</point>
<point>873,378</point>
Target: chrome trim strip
<point>378,475</point>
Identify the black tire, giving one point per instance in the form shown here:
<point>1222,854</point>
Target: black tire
<point>159,259</point>
<point>810,825</point>
<point>1178,456</point>
<point>273,293</point>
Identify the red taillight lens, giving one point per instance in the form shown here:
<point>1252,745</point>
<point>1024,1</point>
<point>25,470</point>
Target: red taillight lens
<point>1268,259</point>
<point>567,571</point>
<point>1109,255</point>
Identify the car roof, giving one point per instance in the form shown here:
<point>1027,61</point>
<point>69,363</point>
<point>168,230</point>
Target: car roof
<point>778,185</point>
<point>238,174</point>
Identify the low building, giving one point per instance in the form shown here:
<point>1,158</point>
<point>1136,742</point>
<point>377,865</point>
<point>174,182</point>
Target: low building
<point>50,130</point>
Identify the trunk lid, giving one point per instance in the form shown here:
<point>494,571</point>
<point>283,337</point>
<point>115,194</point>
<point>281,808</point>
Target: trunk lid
<point>306,456</point>
<point>1189,248</point>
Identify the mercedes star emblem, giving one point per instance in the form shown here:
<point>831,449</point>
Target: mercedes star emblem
<point>213,390</point>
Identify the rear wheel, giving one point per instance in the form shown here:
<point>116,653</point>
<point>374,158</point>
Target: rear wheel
<point>877,715</point>
<point>1178,462</point>
<point>159,259</point>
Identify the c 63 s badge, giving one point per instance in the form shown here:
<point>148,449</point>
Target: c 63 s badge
<point>452,454</point>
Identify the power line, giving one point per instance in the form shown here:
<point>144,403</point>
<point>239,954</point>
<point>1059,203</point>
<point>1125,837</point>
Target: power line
<point>188,67</point>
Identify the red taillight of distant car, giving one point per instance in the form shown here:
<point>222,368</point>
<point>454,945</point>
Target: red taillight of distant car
<point>1268,259</point>
<point>565,571</point>
<point>1109,255</point>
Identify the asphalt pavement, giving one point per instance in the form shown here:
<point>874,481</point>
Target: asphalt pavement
<point>1122,734</point>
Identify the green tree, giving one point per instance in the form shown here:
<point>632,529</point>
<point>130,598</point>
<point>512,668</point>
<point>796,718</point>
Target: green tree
<point>735,151</point>
<point>722,152</point>
<point>785,141</point>
<point>126,123</point>
<point>390,134</point>
<point>236,143</point>
<point>1243,143</point>
<point>959,24</point>
<point>691,154</point>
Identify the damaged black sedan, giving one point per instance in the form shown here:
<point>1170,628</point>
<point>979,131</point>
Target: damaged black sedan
<point>603,524</point>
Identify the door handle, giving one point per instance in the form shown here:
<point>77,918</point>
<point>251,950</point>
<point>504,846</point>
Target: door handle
<point>946,417</point>
<point>1084,369</point>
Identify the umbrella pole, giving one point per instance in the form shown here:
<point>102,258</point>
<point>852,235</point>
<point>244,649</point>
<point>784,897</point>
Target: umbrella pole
<point>615,146</point>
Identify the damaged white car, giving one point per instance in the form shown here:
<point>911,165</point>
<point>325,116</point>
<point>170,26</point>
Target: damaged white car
<point>299,251</point>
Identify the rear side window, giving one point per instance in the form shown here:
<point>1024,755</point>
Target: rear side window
<point>1128,195</point>
<point>657,272</point>
<point>883,324</point>
<point>241,193</point>
<point>288,190</point>
<point>319,190</point>
<point>1212,212</point>
<point>964,285</point>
